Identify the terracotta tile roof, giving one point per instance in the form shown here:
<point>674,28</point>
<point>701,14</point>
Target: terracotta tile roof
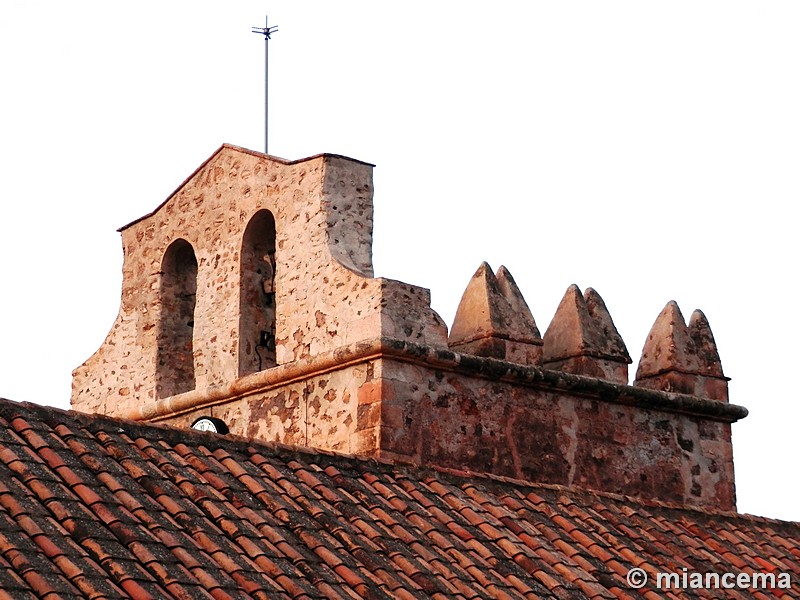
<point>101,508</point>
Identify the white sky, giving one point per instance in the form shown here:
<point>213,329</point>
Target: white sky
<point>648,150</point>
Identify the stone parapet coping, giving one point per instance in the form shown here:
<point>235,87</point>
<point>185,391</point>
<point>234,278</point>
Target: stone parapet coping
<point>276,159</point>
<point>439,358</point>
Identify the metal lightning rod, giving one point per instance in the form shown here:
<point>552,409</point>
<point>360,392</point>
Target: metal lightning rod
<point>266,31</point>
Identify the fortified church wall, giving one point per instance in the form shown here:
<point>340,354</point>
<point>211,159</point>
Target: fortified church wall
<point>248,296</point>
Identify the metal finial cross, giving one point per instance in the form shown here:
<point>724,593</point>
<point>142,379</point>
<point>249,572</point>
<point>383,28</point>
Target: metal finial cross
<point>267,32</point>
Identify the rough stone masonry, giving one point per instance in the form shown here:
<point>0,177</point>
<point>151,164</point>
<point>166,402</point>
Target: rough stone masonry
<point>248,296</point>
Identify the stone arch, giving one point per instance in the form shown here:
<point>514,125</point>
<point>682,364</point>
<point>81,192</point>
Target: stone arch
<point>177,295</point>
<point>257,310</point>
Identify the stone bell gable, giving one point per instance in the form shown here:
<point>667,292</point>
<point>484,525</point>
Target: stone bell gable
<point>251,263</point>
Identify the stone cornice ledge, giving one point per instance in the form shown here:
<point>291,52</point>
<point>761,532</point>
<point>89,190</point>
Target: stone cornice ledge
<point>439,358</point>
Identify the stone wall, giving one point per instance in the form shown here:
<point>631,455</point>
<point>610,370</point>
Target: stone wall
<point>326,410</point>
<point>488,416</point>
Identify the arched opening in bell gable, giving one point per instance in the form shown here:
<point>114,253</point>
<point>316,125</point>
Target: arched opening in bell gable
<point>177,295</point>
<point>257,306</point>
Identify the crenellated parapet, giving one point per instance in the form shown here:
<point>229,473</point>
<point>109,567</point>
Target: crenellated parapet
<point>565,412</point>
<point>494,320</point>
